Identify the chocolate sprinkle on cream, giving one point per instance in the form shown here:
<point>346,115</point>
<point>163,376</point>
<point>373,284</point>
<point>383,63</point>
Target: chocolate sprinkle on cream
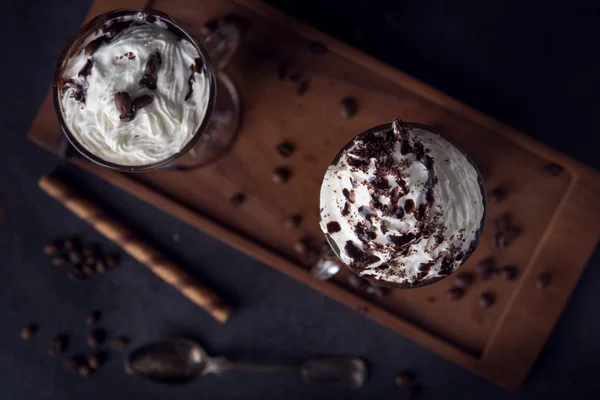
<point>390,200</point>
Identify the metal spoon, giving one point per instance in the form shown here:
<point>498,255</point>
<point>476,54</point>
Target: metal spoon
<point>181,360</point>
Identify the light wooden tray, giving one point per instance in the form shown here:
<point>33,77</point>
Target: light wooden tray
<point>559,215</point>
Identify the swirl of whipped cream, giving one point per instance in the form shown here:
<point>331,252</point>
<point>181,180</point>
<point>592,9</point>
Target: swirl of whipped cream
<point>402,209</point>
<point>158,130</point>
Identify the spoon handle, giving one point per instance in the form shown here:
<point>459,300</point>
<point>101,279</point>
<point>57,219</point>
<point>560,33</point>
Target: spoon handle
<point>219,365</point>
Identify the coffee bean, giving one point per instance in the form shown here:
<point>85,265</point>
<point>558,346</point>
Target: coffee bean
<point>90,250</point>
<point>455,293</point>
<point>544,280</point>
<point>510,272</point>
<point>293,221</point>
<point>96,359</point>
<point>318,48</point>
<point>405,378</point>
<point>90,261</point>
<point>27,332</point>
<point>111,260</point>
<point>154,62</point>
<point>56,347</point>
<point>71,365</point>
<point>119,343</point>
<point>285,149</point>
<point>100,266</point>
<point>84,370</point>
<point>71,244</point>
<point>75,257</point>
<point>349,107</point>
<point>487,299</point>
<point>148,81</point>
<point>95,338</point>
<point>60,261</point>
<point>237,199</point>
<point>141,102</point>
<point>123,103</point>
<point>302,88</point>
<point>76,274</point>
<point>464,280</point>
<point>50,249</point>
<point>497,195</point>
<point>93,317</point>
<point>87,270</point>
<point>554,169</point>
<point>281,175</point>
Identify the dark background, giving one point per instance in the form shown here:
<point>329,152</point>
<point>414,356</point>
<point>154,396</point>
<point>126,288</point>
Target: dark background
<point>533,65</point>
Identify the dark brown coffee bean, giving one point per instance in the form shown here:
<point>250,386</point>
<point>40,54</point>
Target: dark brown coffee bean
<point>95,338</point>
<point>554,169</point>
<point>93,317</point>
<point>237,199</point>
<point>293,221</point>
<point>544,280</point>
<point>510,272</point>
<point>349,107</point>
<point>71,365</point>
<point>281,175</point>
<point>75,257</point>
<point>119,343</point>
<point>111,261</point>
<point>28,331</point>
<point>76,274</point>
<point>60,261</point>
<point>405,378</point>
<point>90,250</point>
<point>148,81</point>
<point>50,249</point>
<point>153,64</point>
<point>56,347</point>
<point>455,293</point>
<point>71,244</point>
<point>84,370</point>
<point>90,261</point>
<point>96,359</point>
<point>92,46</point>
<point>286,149</point>
<point>141,102</point>
<point>487,299</point>
<point>498,195</point>
<point>123,103</point>
<point>464,280</point>
<point>100,267</point>
<point>302,88</point>
<point>318,48</point>
<point>87,270</point>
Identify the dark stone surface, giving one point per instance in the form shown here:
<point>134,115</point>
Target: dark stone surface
<point>532,64</point>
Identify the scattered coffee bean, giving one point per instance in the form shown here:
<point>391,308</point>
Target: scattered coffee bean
<point>154,62</point>
<point>100,266</point>
<point>302,88</point>
<point>50,249</point>
<point>87,270</point>
<point>95,338</point>
<point>75,257</point>
<point>71,244</point>
<point>124,105</point>
<point>60,261</point>
<point>281,175</point>
<point>498,195</point>
<point>71,365</point>
<point>405,378</point>
<point>56,347</point>
<point>237,199</point>
<point>84,370</point>
<point>76,274</point>
<point>554,169</point>
<point>487,299</point>
<point>293,221</point>
<point>464,280</point>
<point>148,81</point>
<point>90,250</point>
<point>285,149</point>
<point>141,102</point>
<point>544,280</point>
<point>510,272</point>
<point>27,332</point>
<point>111,261</point>
<point>90,261</point>
<point>349,107</point>
<point>93,317</point>
<point>119,343</point>
<point>318,48</point>
<point>96,359</point>
<point>455,293</point>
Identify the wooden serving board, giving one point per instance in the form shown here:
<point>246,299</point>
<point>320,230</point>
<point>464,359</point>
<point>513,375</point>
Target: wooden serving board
<point>558,213</point>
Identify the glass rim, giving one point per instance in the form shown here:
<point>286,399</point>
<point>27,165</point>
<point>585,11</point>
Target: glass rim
<point>75,44</point>
<point>389,128</point>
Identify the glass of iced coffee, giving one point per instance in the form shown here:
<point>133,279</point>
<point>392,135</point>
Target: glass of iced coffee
<point>402,206</point>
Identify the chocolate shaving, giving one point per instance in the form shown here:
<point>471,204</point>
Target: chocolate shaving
<point>402,240</point>
<point>86,70</point>
<point>93,46</point>
<point>333,227</point>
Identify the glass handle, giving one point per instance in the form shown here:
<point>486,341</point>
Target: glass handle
<point>222,43</point>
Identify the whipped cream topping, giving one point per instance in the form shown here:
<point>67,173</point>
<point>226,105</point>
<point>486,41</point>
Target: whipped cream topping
<point>403,207</point>
<point>116,61</point>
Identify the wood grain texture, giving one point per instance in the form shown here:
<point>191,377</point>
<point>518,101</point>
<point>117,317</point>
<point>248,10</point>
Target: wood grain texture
<point>559,215</point>
<point>135,247</point>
